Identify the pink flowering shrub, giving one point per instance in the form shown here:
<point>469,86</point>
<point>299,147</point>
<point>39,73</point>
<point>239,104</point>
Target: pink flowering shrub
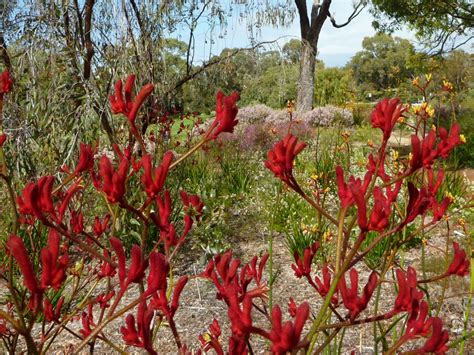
<point>44,285</point>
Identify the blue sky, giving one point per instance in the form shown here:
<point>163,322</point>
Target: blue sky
<point>336,46</point>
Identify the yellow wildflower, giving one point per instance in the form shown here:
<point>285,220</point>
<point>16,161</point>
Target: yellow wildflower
<point>462,138</point>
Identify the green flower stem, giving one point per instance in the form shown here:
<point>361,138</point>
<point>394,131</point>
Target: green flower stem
<point>469,301</point>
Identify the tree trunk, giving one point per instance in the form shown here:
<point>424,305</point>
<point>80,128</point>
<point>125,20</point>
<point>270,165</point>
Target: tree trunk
<point>306,80</point>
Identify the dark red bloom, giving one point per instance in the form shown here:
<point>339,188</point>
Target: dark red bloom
<point>141,334</point>
<point>417,323</point>
<point>136,270</point>
<point>323,286</point>
<point>448,142</point>
<point>386,114</point>
<point>281,158</point>
<point>154,180</point>
<point>5,83</point>
<point>418,203</point>
<point>86,159</point>
<point>99,227</point>
<point>460,264</point>
<point>122,102</point>
<point>354,303</point>
<point>380,215</point>
<point>210,340</point>
<point>408,294</point>
<point>51,314</point>
<point>226,112</point>
<point>77,222</point>
<point>106,269</point>
<point>193,205</point>
<point>113,182</point>
<point>440,208</point>
<point>103,299</point>
<point>285,337</point>
<point>436,343</point>
<point>54,265</point>
<point>17,249</point>
<point>87,319</point>
<point>37,198</point>
<point>3,138</point>
<point>303,267</point>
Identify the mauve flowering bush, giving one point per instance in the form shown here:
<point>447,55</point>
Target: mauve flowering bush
<point>327,116</point>
<point>44,287</point>
<point>254,113</point>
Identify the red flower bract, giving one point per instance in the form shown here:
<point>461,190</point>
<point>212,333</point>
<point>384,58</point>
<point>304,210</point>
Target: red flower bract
<point>281,158</point>
<point>385,115</point>
<point>460,264</point>
<point>226,112</point>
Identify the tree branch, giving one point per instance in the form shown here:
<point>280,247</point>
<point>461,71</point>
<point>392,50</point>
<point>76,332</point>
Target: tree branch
<point>357,10</point>
<point>304,20</point>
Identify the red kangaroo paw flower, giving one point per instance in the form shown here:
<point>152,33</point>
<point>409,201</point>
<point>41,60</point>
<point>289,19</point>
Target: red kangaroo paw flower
<point>448,143</point>
<point>50,314</point>
<point>5,83</point>
<point>106,269</point>
<point>354,303</point>
<point>418,203</point>
<point>460,264</point>
<point>87,319</point>
<point>386,114</point>
<point>292,307</point>
<point>226,112</point>
<point>436,343</point>
<point>178,288</point>
<point>210,340</point>
<point>323,286</point>
<point>192,205</point>
<point>142,336</point>
<point>77,222</point>
<point>122,102</point>
<point>286,337</point>
<point>358,196</point>
<point>103,299</point>
<point>372,166</point>
<point>379,217</point>
<point>17,249</point>
<point>417,323</point>
<point>159,269</point>
<point>54,266</point>
<point>281,158</point>
<point>439,209</point>
<point>434,185</point>
<point>154,180</point>
<point>3,138</point>
<point>99,227</point>
<point>408,294</point>
<point>113,182</point>
<point>136,270</point>
<point>303,267</point>
<point>86,159</point>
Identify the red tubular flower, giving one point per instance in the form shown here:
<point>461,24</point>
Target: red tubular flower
<point>286,337</point>
<point>178,289</point>
<point>379,217</point>
<point>281,158</point>
<point>417,323</point>
<point>141,337</point>
<point>106,269</point>
<point>436,343</point>
<point>408,294</point>
<point>3,138</point>
<point>439,209</point>
<point>54,266</point>
<point>423,153</point>
<point>386,114</point>
<point>37,199</point>
<point>192,205</point>
<point>5,83</point>
<point>77,222</point>
<point>460,264</point>
<point>99,227</point>
<point>17,249</point>
<point>418,203</point>
<point>103,299</point>
<point>113,182</point>
<point>372,166</point>
<point>323,286</point>
<point>354,303</point>
<point>159,269</point>
<point>154,180</point>
<point>303,267</point>
<point>210,340</point>
<point>87,319</point>
<point>448,142</point>
<point>51,314</point>
<point>86,159</point>
<point>358,195</point>
<point>122,102</point>
<point>226,112</point>
<point>137,267</point>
